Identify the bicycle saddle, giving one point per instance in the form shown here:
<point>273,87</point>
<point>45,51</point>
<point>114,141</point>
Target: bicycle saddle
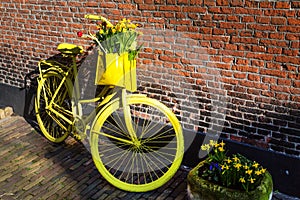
<point>67,48</point>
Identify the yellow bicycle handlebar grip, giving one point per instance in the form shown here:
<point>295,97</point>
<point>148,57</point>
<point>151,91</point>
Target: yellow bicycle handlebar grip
<point>93,17</point>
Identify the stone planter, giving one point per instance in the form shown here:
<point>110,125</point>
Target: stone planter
<point>200,189</point>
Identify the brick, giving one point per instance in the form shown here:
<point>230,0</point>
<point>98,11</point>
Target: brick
<point>239,75</point>
<point>261,27</point>
<point>170,8</point>
<point>282,5</point>
<point>274,50</point>
<point>279,88</point>
<point>293,21</point>
<point>288,59</point>
<point>185,2</point>
<point>233,18</point>
<point>90,4</point>
<point>290,36</point>
<point>146,7</point>
<point>278,20</point>
<point>237,3</point>
<point>293,29</point>
<point>263,20</point>
<point>295,4</point>
<point>194,9</point>
<point>295,44</point>
<point>253,77</point>
<point>286,82</point>
<point>202,2</point>
<point>266,4</point>
<point>230,25</point>
<point>260,56</point>
<point>258,48</point>
<point>282,96</point>
<point>248,19</point>
<point>290,52</point>
<point>260,34</point>
<point>278,43</point>
<point>281,143</point>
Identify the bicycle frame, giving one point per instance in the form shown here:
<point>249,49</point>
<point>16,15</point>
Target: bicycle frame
<point>104,97</point>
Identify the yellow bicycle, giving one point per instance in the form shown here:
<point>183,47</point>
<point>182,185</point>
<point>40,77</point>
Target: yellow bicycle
<point>136,142</point>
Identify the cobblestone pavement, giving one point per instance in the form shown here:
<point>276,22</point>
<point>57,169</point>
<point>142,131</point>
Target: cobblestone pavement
<point>33,168</point>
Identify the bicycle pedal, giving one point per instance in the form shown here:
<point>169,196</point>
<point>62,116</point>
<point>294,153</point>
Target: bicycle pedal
<point>78,137</point>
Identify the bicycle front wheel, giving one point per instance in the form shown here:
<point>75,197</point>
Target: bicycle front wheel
<point>53,126</point>
<point>147,162</point>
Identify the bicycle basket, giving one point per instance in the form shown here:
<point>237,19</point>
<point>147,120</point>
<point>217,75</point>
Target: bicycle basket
<point>117,70</point>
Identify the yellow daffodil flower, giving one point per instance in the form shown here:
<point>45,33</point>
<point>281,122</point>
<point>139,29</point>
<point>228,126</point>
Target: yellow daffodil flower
<point>221,149</point>
<point>238,166</point>
<point>252,180</point>
<point>205,147</point>
<point>109,26</point>
<point>228,160</point>
<point>222,143</point>
<point>242,180</point>
<point>224,167</point>
<point>263,170</point>
<point>249,171</point>
<point>255,165</point>
<point>212,143</point>
<point>131,26</point>
<point>235,159</point>
<point>258,172</point>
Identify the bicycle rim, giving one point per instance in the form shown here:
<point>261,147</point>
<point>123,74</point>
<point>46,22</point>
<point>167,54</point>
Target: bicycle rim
<point>144,165</point>
<point>53,127</point>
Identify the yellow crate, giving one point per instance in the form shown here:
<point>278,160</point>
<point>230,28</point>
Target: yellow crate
<point>117,70</point>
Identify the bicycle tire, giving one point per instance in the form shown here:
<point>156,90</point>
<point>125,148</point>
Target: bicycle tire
<point>54,128</point>
<point>137,167</point>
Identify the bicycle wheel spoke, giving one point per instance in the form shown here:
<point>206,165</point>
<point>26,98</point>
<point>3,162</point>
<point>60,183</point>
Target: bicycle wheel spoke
<point>160,135</point>
<point>110,155</point>
<point>118,131</point>
<point>150,163</point>
<point>111,147</point>
<point>159,154</point>
<point>126,165</point>
<point>119,122</point>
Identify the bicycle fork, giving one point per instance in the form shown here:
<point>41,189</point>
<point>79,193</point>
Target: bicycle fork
<point>128,120</point>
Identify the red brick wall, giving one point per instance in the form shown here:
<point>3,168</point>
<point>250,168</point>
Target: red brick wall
<point>203,58</point>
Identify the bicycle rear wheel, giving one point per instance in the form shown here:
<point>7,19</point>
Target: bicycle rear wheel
<point>145,164</point>
<point>52,126</point>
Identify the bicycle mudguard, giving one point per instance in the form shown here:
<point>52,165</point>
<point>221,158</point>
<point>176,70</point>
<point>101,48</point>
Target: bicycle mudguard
<point>51,65</point>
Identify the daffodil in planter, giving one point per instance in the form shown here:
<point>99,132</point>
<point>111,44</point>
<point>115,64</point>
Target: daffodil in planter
<point>228,177</point>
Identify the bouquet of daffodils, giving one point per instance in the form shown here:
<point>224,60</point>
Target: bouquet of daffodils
<point>118,38</point>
